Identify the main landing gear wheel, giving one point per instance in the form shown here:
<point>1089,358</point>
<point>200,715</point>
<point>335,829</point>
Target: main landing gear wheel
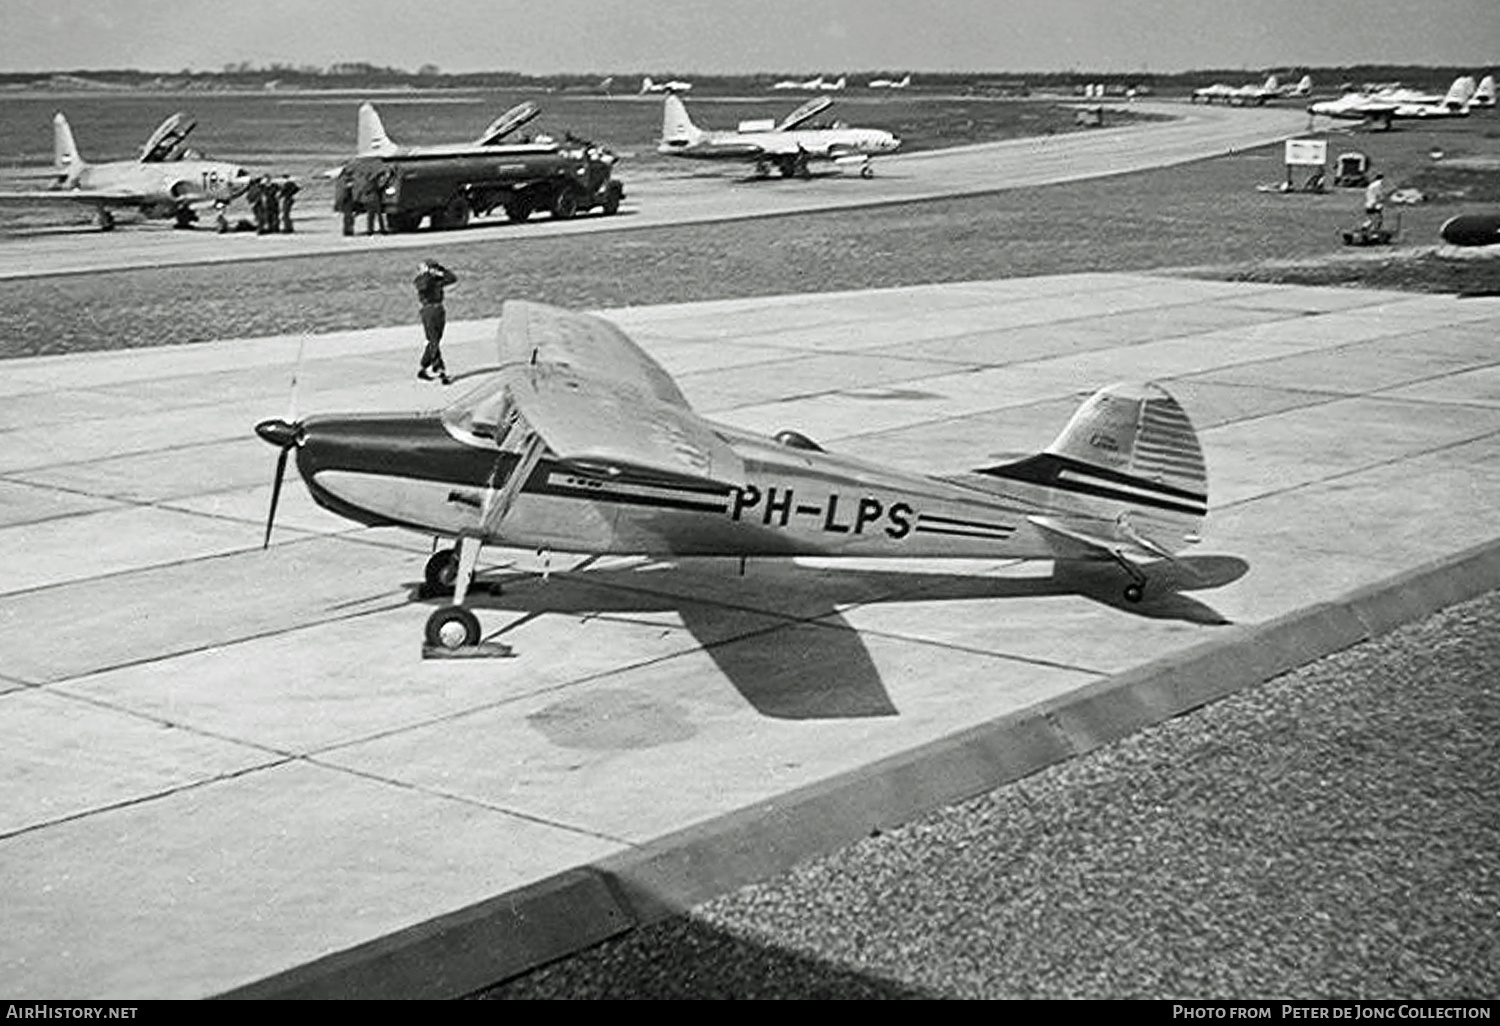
<point>452,627</point>
<point>442,570</point>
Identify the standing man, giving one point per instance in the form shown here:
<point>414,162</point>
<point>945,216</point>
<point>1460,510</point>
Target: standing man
<point>373,199</point>
<point>343,199</point>
<point>255,195</point>
<point>1375,201</point>
<point>289,190</point>
<point>270,193</point>
<point>432,277</point>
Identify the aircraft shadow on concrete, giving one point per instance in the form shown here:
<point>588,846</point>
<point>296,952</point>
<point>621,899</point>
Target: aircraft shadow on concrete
<point>821,669</point>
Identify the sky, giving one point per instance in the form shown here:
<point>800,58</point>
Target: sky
<point>733,37</point>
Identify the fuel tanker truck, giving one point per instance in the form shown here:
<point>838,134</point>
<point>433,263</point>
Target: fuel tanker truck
<point>449,184</point>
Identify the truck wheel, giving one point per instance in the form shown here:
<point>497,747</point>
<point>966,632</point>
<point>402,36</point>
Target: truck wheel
<point>564,204</point>
<point>518,210</point>
<point>611,202</point>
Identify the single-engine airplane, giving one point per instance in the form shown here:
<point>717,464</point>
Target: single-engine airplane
<point>579,441</point>
<point>165,181</point>
<point>785,144</point>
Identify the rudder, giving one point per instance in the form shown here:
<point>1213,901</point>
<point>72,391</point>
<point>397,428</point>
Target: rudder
<point>371,139</point>
<point>66,160</point>
<point>676,126</point>
<point>1128,463</point>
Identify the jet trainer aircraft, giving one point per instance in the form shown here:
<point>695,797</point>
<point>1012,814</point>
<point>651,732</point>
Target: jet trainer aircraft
<point>785,145</point>
<point>372,140</point>
<point>673,86</point>
<point>1251,94</point>
<point>580,442</point>
<point>1385,107</point>
<point>165,181</point>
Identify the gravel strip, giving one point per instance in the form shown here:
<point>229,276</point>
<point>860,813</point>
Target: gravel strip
<point>1331,834</point>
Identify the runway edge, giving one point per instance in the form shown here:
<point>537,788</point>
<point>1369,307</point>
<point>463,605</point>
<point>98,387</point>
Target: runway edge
<point>495,940</point>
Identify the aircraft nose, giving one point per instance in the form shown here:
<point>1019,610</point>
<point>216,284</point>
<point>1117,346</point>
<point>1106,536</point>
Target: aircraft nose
<point>279,433</point>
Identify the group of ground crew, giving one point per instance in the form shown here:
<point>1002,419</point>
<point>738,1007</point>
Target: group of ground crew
<point>360,188</point>
<point>270,202</point>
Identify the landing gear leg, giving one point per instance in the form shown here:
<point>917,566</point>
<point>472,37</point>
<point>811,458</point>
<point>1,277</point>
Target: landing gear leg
<point>454,627</point>
<point>1136,589</point>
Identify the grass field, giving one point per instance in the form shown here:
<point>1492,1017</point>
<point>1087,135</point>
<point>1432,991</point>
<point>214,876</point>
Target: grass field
<point>1207,218</point>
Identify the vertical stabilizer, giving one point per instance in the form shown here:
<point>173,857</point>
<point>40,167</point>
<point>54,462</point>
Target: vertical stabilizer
<point>372,140</point>
<point>1128,468</point>
<point>1484,93</point>
<point>677,129</point>
<point>66,160</point>
<point>1459,93</point>
<point>1137,429</point>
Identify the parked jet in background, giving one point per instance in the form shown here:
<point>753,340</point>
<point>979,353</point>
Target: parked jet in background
<point>890,83</point>
<point>766,143</point>
<point>372,140</point>
<point>1484,93</point>
<point>165,181</point>
<point>674,86</point>
<point>1386,107</point>
<point>1302,88</point>
<point>811,85</point>
<point>1250,95</point>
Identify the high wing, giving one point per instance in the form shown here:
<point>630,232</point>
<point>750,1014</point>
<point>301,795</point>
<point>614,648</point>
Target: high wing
<point>613,428</point>
<point>534,333</point>
<point>810,109</point>
<point>597,399</point>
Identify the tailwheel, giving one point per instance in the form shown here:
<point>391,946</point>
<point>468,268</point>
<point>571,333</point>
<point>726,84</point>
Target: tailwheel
<point>452,628</point>
<point>442,570</point>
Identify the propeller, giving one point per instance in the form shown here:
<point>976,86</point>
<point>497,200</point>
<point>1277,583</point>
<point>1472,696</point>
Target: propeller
<point>284,435</point>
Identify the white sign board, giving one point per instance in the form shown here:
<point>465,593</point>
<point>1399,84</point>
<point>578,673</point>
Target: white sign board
<point>1306,152</point>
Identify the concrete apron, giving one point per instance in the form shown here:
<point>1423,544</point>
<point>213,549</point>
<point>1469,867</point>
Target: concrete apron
<point>229,771</point>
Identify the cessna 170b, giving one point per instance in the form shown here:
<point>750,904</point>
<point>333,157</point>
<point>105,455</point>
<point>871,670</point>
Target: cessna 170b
<point>580,442</point>
<point>165,181</point>
<point>766,143</point>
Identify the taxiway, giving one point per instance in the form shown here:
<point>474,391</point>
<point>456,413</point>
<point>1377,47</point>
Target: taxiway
<point>692,192</point>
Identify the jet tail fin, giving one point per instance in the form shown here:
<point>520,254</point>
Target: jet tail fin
<point>1126,474</point>
<point>372,140</point>
<point>676,127</point>
<point>67,163</point>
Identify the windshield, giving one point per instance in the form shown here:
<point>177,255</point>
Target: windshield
<point>486,416</point>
